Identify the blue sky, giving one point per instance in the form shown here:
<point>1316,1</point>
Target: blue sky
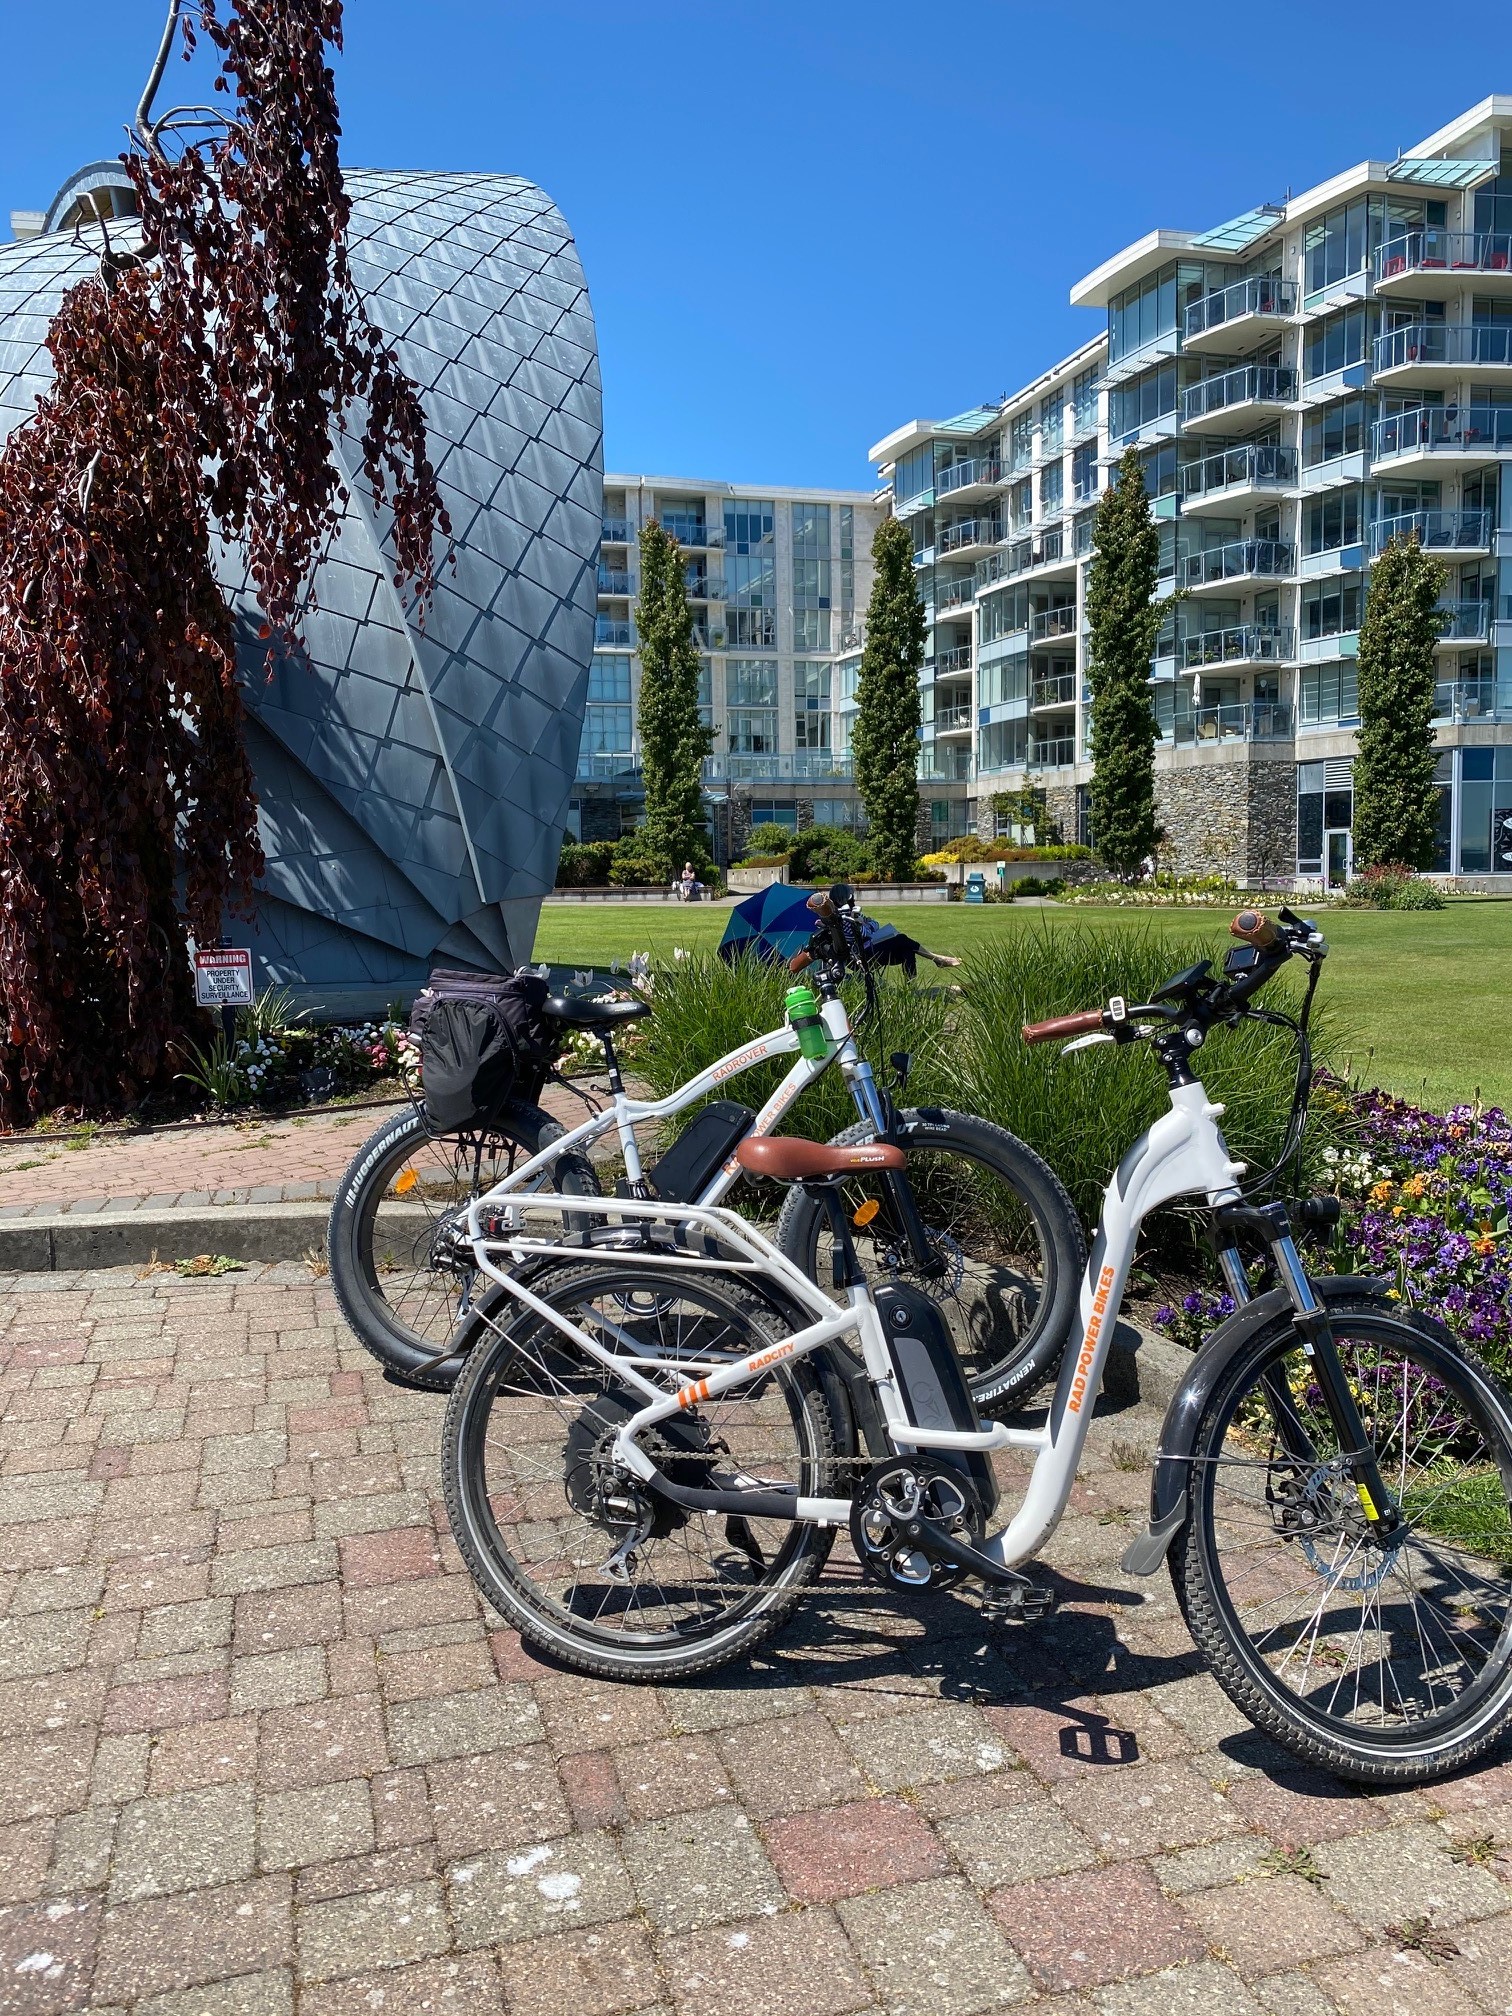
<point>805,223</point>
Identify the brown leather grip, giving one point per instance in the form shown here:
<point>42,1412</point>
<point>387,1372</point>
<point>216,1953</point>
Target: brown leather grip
<point>1060,1026</point>
<point>1255,929</point>
<point>821,905</point>
<point>800,961</point>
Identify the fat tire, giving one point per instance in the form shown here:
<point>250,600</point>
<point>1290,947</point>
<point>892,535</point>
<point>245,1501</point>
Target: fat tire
<point>1012,1382</point>
<point>366,1310</point>
<point>1211,1633</point>
<point>650,1665</point>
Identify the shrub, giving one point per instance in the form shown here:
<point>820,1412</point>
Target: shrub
<point>769,838</point>
<point>586,864</point>
<point>762,861</point>
<point>1391,886</point>
<point>1420,895</point>
<point>1032,885</point>
<point>827,854</point>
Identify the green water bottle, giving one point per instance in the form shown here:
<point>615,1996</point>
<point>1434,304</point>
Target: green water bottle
<point>802,1007</point>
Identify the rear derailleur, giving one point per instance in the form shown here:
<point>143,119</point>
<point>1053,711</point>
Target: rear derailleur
<point>916,1523</point>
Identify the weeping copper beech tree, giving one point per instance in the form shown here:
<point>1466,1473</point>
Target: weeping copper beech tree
<point>198,378</point>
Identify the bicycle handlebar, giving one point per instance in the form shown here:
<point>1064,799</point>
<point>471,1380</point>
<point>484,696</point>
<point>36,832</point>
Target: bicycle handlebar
<point>1060,1026</point>
<point>1255,929</point>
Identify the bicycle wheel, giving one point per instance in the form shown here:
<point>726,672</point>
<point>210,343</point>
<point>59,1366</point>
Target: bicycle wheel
<point>1389,1662</point>
<point>996,1216</point>
<point>405,1185</point>
<point>610,1580</point>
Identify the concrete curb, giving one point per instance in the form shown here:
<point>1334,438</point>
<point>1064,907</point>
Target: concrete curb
<point>71,1240</point>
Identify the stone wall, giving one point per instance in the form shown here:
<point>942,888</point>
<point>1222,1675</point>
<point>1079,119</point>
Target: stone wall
<point>1235,816</point>
<point>1060,814</point>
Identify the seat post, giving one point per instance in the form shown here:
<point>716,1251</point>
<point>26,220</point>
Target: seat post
<point>611,1062</point>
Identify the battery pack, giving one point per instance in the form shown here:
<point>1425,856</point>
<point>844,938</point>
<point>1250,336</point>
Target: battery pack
<point>932,1381</point>
<point>696,1156</point>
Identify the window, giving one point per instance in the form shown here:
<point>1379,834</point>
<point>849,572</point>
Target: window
<point>847,560</point>
<point>1159,470</point>
<point>811,630</point>
<point>1003,681</point>
<point>1329,693</point>
<point>1003,746</point>
<point>1052,489</point>
<point>753,731</point>
<point>1020,442</point>
<point>1021,505</point>
<point>749,524</point>
<point>811,706</point>
<point>609,679</point>
<point>1334,521</point>
<point>1084,403</point>
<point>1341,243</point>
<point>1493,200</point>
<point>811,529</point>
<point>1332,608</point>
<point>751,629</point>
<point>1135,405</point>
<point>1337,430</point>
<point>773,812</point>
<point>913,475</point>
<point>1084,473</point>
<point>845,812</point>
<point>1339,340</point>
<point>811,584</point>
<point>751,682</point>
<point>751,581</point>
<point>1140,314</point>
<point>1002,614</point>
<point>1052,420</point>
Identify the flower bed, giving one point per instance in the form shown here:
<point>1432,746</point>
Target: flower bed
<point>1426,1200</point>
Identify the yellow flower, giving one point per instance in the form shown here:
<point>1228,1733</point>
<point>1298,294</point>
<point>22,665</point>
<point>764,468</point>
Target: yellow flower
<point>1485,1245</point>
<point>1380,1193</point>
<point>1415,1186</point>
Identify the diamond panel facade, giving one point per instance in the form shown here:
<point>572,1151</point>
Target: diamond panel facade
<point>413,783</point>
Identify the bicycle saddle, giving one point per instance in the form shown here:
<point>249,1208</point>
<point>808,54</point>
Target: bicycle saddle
<point>786,1158</point>
<point>578,1014</point>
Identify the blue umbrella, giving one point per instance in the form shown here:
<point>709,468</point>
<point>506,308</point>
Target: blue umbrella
<point>773,924</point>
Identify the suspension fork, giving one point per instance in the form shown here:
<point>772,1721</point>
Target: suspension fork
<point>1315,1333</point>
<point>876,1107</point>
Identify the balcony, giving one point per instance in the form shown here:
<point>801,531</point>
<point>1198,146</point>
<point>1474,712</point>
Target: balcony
<point>1243,721</point>
<point>1433,440</point>
<point>706,588</point>
<point>968,535</point>
<point>607,763</point>
<point>617,531</point>
<point>1464,623</point>
<point>1051,696</point>
<point>1467,533</point>
<point>1244,645</point>
<point>1241,398</point>
<point>1052,753</point>
<point>692,532</point>
<point>1465,700</point>
<point>1226,567</point>
<point>1484,257</point>
<point>780,767</point>
<point>612,633</point>
<point>981,473</point>
<point>1239,318</point>
<point>947,763</point>
<point>1441,353</point>
<point>954,595</point>
<point>953,720</point>
<point>1053,626</point>
<point>909,507</point>
<point>1226,482</point>
<point>613,581</point>
<point>949,664</point>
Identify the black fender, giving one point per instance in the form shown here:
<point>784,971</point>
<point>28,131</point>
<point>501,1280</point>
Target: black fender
<point>1178,1433</point>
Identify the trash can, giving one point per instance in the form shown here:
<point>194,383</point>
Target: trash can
<point>976,887</point>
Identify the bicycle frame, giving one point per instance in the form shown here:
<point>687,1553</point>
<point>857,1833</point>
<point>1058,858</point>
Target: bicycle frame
<point>1182,1154</point>
<point>625,1114</point>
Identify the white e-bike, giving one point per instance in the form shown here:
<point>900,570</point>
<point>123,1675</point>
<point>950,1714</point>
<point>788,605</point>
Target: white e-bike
<point>646,1462</point>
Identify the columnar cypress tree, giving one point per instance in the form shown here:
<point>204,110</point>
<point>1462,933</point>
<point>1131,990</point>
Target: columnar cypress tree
<point>885,739</point>
<point>1125,620</point>
<point>1395,802</point>
<point>673,740</point>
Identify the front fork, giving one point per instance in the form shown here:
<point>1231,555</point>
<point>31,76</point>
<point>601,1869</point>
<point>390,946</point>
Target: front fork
<point>877,1109</point>
<point>1315,1334</point>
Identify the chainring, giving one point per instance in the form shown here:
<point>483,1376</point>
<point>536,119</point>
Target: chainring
<point>887,1515</point>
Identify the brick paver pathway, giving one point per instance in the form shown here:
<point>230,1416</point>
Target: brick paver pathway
<point>262,1753</point>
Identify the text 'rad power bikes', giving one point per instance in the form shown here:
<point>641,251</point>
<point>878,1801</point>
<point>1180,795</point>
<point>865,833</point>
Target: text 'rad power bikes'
<point>970,1215</point>
<point>648,1456</point>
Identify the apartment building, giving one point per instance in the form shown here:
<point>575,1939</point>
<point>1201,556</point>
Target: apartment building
<point>1302,383</point>
<point>779,581</point>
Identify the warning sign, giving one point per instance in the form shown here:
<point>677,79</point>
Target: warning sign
<point>223,979</point>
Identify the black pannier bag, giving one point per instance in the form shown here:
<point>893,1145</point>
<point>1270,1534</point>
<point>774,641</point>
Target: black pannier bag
<point>483,1041</point>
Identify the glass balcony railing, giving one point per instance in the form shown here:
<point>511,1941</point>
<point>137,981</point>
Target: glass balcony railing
<point>617,531</point>
<point>613,581</point>
<point>707,588</point>
<point>1469,346</point>
<point>967,532</point>
<point>1251,384</point>
<point>615,635</point>
<point>1243,644</point>
<point>961,475</point>
<point>607,763</point>
<point>1464,700</point>
<point>782,766</point>
<point>1256,464</point>
<point>1245,297</point>
<point>1466,622</point>
<point>1242,721</point>
<point>1243,558</point>
<point>1435,250</point>
<point>1435,531</point>
<point>956,660</point>
<point>1052,753</point>
<point>1057,692</point>
<point>945,763</point>
<point>947,718</point>
<point>692,531</point>
<point>1045,625</point>
<point>954,594</point>
<point>1473,430</point>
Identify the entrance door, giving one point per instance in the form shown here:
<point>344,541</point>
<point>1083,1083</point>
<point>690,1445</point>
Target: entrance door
<point>1340,854</point>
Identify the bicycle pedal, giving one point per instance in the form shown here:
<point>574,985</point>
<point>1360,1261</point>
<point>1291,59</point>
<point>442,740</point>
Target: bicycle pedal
<point>1018,1603</point>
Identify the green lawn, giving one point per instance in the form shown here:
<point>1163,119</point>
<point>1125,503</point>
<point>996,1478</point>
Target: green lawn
<point>1424,995</point>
